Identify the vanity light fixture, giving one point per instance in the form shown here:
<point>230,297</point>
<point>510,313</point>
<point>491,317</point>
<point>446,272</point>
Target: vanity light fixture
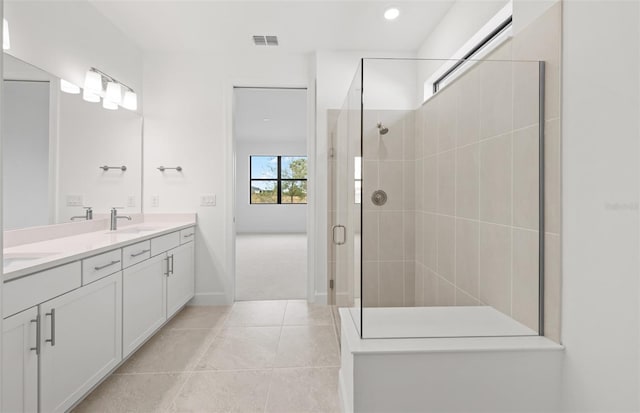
<point>6,42</point>
<point>107,104</point>
<point>391,13</point>
<point>113,92</point>
<point>69,87</point>
<point>90,97</point>
<point>93,82</point>
<point>130,100</point>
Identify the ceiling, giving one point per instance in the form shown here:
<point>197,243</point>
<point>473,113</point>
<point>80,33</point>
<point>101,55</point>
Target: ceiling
<point>272,115</point>
<point>301,26</point>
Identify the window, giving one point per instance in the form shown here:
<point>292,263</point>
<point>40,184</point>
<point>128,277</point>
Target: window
<point>494,33</point>
<point>278,180</point>
<point>491,41</point>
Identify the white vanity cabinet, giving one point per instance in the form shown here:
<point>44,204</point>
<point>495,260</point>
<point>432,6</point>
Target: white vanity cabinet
<point>144,304</point>
<point>81,341</point>
<point>67,327</point>
<point>180,278</point>
<point>20,362</point>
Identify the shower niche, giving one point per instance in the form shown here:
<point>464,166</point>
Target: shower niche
<point>437,202</point>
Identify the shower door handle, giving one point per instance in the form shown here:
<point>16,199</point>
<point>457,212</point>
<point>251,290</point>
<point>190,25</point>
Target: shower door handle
<point>344,234</point>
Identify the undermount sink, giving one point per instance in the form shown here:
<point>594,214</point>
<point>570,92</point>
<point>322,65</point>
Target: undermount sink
<point>135,230</point>
<point>10,259</point>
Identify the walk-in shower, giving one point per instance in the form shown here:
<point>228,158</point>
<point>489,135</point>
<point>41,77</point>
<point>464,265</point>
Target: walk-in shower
<point>455,249</point>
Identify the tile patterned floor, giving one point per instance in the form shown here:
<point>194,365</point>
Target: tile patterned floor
<point>255,356</point>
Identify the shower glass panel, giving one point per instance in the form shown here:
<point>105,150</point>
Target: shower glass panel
<point>446,240</point>
<point>345,215</point>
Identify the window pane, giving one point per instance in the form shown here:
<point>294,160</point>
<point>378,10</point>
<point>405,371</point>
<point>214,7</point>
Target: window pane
<point>264,192</point>
<point>294,167</point>
<point>294,192</point>
<point>264,167</point>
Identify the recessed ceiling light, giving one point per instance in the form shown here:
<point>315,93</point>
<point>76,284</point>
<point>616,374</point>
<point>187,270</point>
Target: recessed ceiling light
<point>391,13</point>
<point>266,119</point>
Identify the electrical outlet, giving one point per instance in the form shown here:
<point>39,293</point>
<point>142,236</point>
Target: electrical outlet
<point>155,201</point>
<point>131,201</point>
<point>208,200</point>
<point>74,200</point>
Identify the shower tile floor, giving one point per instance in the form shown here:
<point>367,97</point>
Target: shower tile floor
<point>254,356</point>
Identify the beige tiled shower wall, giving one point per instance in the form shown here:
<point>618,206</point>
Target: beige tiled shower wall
<point>476,187</point>
<point>388,248</point>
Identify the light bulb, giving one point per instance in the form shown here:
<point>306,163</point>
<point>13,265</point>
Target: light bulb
<point>6,42</point>
<point>69,87</point>
<point>114,92</point>
<point>107,104</point>
<point>93,82</point>
<point>90,97</point>
<point>130,100</point>
<point>391,13</point>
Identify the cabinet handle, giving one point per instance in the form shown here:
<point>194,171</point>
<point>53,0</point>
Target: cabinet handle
<point>188,235</point>
<point>52,340</point>
<point>137,254</point>
<point>106,265</point>
<point>167,267</point>
<point>171,256</point>
<point>37,347</point>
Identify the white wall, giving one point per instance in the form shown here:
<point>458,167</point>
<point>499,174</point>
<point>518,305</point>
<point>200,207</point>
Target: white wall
<point>600,202</point>
<point>25,160</point>
<point>266,218</point>
<point>66,38</point>
<point>188,123</point>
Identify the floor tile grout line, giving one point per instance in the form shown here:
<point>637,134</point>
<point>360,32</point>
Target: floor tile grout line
<point>198,371</point>
<point>266,401</point>
<point>190,373</point>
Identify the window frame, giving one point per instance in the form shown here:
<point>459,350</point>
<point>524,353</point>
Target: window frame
<point>278,179</point>
<point>481,46</point>
<point>482,43</point>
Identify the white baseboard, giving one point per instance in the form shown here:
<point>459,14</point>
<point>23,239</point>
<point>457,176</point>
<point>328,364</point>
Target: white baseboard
<point>320,298</point>
<point>209,299</point>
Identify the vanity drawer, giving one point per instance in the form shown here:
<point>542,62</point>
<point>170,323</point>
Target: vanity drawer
<point>187,235</point>
<point>136,253</point>
<point>164,243</point>
<point>23,293</point>
<point>99,266</point>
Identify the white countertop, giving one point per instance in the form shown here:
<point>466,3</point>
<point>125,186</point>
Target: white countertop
<point>28,258</point>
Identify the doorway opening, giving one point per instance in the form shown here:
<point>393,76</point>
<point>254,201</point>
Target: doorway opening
<point>271,172</point>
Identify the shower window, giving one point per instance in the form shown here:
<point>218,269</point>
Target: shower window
<point>278,179</point>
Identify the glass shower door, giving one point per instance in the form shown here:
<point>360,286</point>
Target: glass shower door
<point>344,201</point>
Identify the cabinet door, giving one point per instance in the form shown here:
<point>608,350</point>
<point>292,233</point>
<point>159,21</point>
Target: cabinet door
<point>181,278</point>
<point>81,339</point>
<point>20,362</point>
<point>143,300</point>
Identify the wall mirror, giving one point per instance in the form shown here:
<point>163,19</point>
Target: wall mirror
<point>54,145</point>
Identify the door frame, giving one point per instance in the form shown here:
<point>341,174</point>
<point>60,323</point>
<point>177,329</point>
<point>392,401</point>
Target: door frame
<point>230,167</point>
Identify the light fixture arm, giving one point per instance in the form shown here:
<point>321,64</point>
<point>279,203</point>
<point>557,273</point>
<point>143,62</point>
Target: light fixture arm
<point>111,78</point>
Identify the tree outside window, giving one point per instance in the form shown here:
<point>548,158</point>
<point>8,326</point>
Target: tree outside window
<point>278,179</point>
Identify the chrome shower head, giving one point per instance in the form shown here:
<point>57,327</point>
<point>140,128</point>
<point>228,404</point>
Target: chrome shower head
<point>382,129</point>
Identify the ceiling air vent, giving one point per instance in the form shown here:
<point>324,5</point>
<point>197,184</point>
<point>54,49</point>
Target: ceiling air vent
<point>265,40</point>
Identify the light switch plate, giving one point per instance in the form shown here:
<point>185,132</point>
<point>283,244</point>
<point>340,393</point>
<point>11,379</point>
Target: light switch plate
<point>131,201</point>
<point>74,200</point>
<point>208,200</point>
<point>155,201</point>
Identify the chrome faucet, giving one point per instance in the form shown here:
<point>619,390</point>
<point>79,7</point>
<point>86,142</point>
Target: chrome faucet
<point>115,217</point>
<point>88,214</point>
